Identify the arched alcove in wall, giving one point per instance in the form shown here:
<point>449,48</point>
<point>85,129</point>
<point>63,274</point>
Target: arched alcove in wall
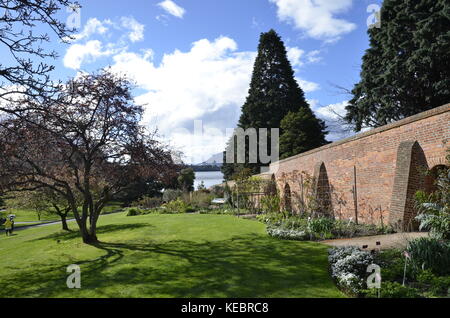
<point>323,190</point>
<point>271,188</point>
<point>411,166</point>
<point>287,199</point>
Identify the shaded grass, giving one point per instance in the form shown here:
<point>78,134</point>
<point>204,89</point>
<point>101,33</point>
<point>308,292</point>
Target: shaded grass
<point>165,256</point>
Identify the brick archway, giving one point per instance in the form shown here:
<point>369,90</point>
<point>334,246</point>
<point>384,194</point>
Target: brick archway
<point>287,198</point>
<point>322,190</point>
<point>409,177</point>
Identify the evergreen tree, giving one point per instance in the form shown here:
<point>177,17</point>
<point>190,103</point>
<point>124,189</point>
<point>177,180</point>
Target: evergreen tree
<point>273,94</point>
<point>186,179</point>
<point>406,70</point>
<point>302,131</point>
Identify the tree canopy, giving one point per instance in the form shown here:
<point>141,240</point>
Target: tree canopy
<point>87,140</point>
<point>406,69</point>
<point>274,93</point>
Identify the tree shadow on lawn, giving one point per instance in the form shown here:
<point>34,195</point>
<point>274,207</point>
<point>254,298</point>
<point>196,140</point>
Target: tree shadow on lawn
<point>245,266</point>
<point>72,234</point>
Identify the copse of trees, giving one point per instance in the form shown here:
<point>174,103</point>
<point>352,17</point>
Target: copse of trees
<point>88,140</point>
<point>406,69</point>
<point>274,93</point>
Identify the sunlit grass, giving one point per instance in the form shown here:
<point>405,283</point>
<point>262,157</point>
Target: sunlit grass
<point>165,256</point>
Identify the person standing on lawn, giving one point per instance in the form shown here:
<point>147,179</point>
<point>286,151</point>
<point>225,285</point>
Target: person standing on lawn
<point>11,218</point>
<point>8,227</point>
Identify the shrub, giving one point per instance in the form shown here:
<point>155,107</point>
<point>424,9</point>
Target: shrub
<point>218,191</point>
<point>321,226</point>
<point>174,207</point>
<point>200,199</point>
<point>434,209</point>
<point>430,253</point>
<point>288,234</point>
<point>273,219</point>
<point>133,212</point>
<point>438,223</point>
<point>440,286</point>
<point>392,290</point>
<point>348,267</point>
<point>270,203</point>
<point>171,195</point>
<point>392,263</point>
<point>148,202</point>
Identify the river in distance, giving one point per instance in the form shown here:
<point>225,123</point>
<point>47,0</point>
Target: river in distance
<point>209,178</point>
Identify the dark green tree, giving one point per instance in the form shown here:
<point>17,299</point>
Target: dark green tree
<point>406,70</point>
<point>273,94</point>
<point>186,179</point>
<point>302,131</point>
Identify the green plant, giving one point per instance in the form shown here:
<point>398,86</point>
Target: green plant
<point>271,203</point>
<point>434,209</point>
<point>392,290</point>
<point>440,286</point>
<point>430,253</point>
<point>200,199</point>
<point>133,212</point>
<point>425,277</point>
<point>171,194</point>
<point>175,206</point>
<point>348,267</point>
<point>321,226</point>
<point>148,202</point>
<point>287,234</point>
<point>392,262</point>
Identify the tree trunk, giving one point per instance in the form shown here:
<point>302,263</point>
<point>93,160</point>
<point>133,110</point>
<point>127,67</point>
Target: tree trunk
<point>64,222</point>
<point>88,237</point>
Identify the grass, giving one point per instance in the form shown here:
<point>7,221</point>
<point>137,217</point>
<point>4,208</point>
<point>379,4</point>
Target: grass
<point>28,215</point>
<point>165,256</point>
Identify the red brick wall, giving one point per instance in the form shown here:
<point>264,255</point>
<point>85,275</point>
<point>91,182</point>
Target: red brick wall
<point>375,156</point>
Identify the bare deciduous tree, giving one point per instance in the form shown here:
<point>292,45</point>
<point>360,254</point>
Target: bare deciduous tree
<point>88,140</point>
<point>25,70</point>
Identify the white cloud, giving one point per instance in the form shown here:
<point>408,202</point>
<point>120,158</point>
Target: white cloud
<point>92,26</point>
<point>172,8</point>
<point>118,33</point>
<point>209,83</point>
<point>313,57</point>
<point>333,115</point>
<point>294,55</point>
<point>317,18</point>
<point>307,86</point>
<point>77,54</point>
<point>136,29</point>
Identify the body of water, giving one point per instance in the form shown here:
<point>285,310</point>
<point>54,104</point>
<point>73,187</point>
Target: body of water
<point>209,178</point>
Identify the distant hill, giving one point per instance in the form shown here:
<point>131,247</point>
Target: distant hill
<point>212,164</point>
<point>216,159</point>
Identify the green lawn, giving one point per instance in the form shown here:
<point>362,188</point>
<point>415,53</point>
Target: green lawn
<point>165,256</point>
<point>27,215</point>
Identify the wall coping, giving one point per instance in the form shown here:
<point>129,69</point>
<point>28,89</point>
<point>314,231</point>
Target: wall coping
<point>426,114</point>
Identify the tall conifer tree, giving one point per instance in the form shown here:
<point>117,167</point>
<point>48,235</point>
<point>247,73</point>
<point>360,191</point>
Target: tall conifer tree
<point>273,94</point>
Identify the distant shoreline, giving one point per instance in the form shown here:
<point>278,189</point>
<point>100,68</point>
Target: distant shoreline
<point>202,168</point>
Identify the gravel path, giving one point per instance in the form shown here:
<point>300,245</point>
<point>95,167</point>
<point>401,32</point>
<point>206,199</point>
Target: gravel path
<point>397,240</point>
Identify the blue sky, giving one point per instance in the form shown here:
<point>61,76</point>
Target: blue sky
<point>192,59</point>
